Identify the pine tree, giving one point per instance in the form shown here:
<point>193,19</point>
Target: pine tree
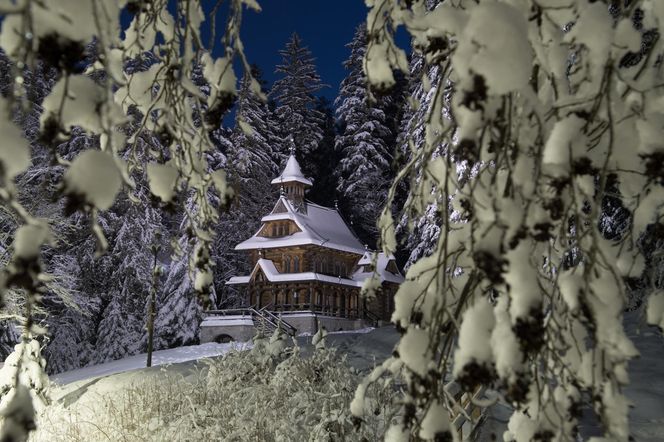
<point>295,109</point>
<point>137,225</point>
<point>421,239</point>
<point>325,159</point>
<point>251,159</point>
<point>178,311</point>
<point>364,172</point>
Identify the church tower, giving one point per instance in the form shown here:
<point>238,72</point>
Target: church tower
<point>292,183</point>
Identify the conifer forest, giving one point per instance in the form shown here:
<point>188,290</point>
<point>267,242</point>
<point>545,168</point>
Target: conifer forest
<point>500,162</point>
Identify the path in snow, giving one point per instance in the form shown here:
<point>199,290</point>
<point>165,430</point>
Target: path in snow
<point>161,357</point>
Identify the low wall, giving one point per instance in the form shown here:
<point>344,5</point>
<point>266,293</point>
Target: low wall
<point>225,328</point>
<point>307,322</point>
<point>241,328</point>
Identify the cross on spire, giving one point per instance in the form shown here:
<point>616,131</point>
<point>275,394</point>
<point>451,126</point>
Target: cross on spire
<point>292,145</point>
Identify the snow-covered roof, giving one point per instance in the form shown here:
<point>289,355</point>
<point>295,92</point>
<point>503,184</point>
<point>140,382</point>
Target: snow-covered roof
<point>382,261</point>
<point>321,226</point>
<point>278,217</point>
<point>292,172</point>
<point>238,280</point>
<point>273,275</point>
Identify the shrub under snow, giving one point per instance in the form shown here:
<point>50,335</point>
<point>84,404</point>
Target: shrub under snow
<point>271,393</point>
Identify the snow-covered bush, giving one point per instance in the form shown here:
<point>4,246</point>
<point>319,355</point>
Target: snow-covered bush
<point>269,393</point>
<point>544,120</point>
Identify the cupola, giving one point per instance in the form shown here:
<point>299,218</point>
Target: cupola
<point>292,183</point>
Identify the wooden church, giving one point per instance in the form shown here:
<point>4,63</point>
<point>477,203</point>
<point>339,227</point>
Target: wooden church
<point>308,269</point>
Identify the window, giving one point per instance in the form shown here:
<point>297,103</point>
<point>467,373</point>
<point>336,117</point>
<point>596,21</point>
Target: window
<point>296,264</point>
<point>274,230</point>
<point>337,269</point>
<point>286,264</point>
<point>343,270</point>
<point>280,230</point>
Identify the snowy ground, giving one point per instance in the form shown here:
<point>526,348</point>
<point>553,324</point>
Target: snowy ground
<point>646,391</point>
<point>162,357</point>
<point>365,348</point>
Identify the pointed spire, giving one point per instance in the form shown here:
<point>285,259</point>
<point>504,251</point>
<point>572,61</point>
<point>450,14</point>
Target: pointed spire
<point>292,172</point>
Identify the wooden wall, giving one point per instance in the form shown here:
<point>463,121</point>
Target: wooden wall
<point>308,255</point>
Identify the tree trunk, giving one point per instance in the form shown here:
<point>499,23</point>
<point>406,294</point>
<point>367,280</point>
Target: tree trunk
<point>151,307</point>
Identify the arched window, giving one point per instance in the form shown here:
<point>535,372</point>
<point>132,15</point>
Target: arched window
<point>296,264</point>
<point>286,264</point>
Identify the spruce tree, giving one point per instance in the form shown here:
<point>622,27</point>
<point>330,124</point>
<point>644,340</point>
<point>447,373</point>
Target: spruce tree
<point>251,159</point>
<point>178,310</point>
<point>325,159</point>
<point>364,171</point>
<point>421,240</point>
<point>295,109</point>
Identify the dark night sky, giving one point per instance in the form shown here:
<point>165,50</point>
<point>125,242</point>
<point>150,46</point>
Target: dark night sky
<point>324,26</point>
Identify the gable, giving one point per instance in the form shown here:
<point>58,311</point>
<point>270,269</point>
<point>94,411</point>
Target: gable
<point>392,267</point>
<point>278,229</point>
<point>258,276</point>
<point>280,207</point>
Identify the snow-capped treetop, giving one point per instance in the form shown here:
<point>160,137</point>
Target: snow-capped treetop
<point>295,96</point>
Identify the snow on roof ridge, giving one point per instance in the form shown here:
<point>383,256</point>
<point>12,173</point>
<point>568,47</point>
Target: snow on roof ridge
<point>311,203</point>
